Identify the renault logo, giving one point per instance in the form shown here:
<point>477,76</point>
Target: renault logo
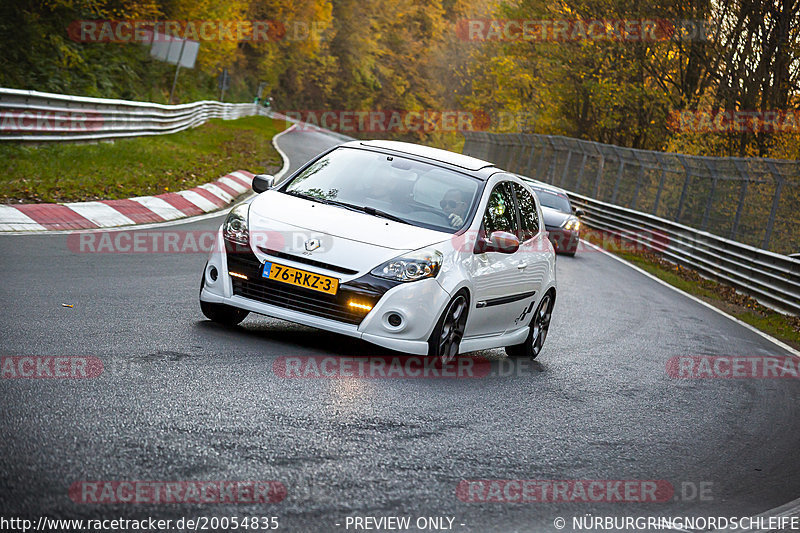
<point>312,244</point>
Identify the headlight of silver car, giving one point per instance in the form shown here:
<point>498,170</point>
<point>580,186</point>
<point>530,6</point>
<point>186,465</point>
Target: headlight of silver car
<point>419,264</point>
<point>235,227</point>
<point>572,224</point>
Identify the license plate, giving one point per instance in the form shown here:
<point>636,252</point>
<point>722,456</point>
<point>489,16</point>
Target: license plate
<point>301,278</point>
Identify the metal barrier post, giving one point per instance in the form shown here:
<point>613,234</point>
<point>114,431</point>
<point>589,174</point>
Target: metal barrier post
<point>712,168</point>
<point>688,170</point>
<point>566,167</point>
<point>742,196</point>
<point>775,200</point>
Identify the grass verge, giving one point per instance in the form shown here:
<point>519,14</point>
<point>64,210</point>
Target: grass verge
<point>783,327</point>
<point>139,166</point>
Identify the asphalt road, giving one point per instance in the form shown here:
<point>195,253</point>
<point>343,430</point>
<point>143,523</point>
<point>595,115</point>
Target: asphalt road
<point>183,399</point>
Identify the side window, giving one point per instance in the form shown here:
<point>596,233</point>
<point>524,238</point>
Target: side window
<point>500,213</point>
<point>529,216</point>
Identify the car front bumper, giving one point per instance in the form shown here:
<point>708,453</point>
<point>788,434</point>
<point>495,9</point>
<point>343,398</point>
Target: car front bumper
<point>418,304</point>
<point>563,240</point>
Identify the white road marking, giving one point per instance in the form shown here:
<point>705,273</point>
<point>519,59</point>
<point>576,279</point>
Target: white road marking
<point>792,508</point>
<point>787,510</point>
<point>285,168</point>
<point>773,340</point>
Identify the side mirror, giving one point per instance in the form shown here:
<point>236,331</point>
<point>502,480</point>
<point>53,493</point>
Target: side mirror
<point>499,241</point>
<point>579,212</point>
<point>262,182</point>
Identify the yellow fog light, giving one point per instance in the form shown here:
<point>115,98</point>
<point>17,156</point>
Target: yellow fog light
<point>362,307</point>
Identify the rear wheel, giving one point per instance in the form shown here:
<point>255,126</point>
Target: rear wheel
<point>221,313</point>
<point>540,324</point>
<point>446,337</point>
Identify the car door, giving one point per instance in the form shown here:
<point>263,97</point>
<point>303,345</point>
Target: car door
<point>498,284</point>
<point>532,254</point>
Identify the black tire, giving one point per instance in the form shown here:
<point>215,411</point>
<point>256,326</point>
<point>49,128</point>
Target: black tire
<point>539,326</point>
<point>445,340</point>
<point>221,313</point>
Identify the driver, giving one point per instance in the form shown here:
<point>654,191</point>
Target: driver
<point>454,205</point>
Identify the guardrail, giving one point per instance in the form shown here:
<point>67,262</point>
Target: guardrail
<point>771,278</point>
<point>32,116</point>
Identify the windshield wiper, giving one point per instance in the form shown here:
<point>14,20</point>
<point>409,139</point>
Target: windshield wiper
<point>369,210</point>
<point>383,214</point>
<point>310,197</point>
<point>345,205</point>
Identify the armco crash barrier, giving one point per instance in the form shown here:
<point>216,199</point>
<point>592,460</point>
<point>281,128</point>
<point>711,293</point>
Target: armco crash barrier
<point>32,116</point>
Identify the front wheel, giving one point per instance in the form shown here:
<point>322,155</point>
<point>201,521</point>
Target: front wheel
<point>221,313</point>
<point>540,324</point>
<point>446,337</point>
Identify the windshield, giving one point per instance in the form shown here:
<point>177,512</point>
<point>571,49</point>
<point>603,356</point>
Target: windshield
<point>401,189</point>
<point>553,200</point>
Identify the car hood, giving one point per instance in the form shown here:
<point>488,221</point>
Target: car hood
<point>554,217</point>
<point>347,239</point>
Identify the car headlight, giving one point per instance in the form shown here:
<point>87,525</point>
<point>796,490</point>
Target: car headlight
<point>572,224</point>
<point>235,227</point>
<point>412,266</point>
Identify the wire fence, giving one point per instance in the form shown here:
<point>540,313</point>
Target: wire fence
<point>750,200</point>
<point>32,116</point>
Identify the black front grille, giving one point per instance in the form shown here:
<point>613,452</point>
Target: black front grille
<point>307,261</point>
<point>300,299</point>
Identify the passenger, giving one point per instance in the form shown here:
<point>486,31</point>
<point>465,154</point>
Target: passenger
<point>454,205</point>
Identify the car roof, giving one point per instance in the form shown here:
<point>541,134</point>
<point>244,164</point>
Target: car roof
<point>452,159</point>
<point>536,184</point>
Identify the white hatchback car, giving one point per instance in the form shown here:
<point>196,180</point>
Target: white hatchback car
<point>412,248</point>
